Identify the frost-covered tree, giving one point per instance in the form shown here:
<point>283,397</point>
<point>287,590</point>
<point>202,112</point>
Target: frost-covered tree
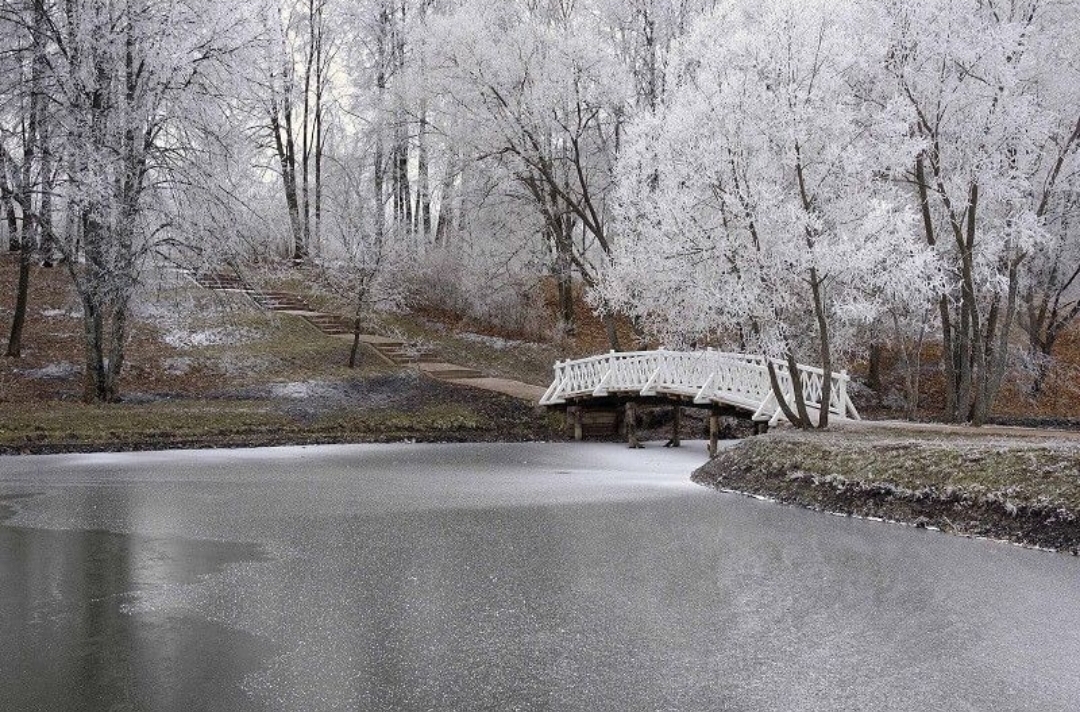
<point>364,260</point>
<point>135,90</point>
<point>299,51</point>
<point>531,91</point>
<point>26,152</point>
<point>989,91</point>
<point>754,210</point>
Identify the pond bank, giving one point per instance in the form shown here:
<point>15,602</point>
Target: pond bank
<point>1011,487</point>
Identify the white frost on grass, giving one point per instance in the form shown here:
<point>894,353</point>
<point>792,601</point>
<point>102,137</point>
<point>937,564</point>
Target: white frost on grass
<point>179,365</point>
<point>302,389</point>
<point>54,370</point>
<point>494,342</point>
<point>221,336</point>
<point>60,313</point>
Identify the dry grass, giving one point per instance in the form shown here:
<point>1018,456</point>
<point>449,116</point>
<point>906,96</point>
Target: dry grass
<point>212,368</point>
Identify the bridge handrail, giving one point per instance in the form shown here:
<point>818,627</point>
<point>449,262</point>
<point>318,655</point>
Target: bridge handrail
<point>706,376</point>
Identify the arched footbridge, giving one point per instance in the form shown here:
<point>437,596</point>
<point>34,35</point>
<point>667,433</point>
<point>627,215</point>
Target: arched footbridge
<point>706,379</point>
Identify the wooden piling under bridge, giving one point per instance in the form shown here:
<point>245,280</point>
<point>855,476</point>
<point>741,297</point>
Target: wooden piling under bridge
<point>603,391</point>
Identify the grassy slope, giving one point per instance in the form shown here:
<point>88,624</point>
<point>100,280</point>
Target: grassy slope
<point>210,368</point>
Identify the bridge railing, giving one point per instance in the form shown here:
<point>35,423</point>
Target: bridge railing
<point>734,379</point>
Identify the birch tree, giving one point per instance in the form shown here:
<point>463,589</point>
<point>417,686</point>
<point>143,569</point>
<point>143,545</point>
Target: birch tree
<point>299,56</point>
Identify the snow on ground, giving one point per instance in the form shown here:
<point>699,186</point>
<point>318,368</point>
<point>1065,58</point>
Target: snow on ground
<point>60,313</point>
<point>303,389</point>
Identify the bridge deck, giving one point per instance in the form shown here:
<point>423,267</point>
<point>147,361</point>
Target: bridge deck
<point>702,378</point>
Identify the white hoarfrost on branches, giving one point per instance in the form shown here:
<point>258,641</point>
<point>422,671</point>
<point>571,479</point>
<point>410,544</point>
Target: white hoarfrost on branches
<point>815,180</point>
<point>986,90</point>
<point>754,212</point>
<point>136,100</point>
<point>536,96</point>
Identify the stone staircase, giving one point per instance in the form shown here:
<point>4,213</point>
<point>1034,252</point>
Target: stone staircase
<point>395,352</point>
<point>224,281</point>
<point>330,324</point>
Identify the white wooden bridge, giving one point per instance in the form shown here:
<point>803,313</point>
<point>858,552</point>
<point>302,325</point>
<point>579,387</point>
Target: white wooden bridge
<point>710,379</point>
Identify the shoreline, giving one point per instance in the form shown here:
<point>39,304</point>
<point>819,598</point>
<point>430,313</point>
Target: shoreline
<point>1021,490</point>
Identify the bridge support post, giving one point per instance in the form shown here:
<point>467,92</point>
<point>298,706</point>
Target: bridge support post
<point>714,432</point>
<point>631,425</point>
<point>676,424</point>
<point>574,413</point>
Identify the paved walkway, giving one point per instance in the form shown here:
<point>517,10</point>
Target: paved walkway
<point>393,351</point>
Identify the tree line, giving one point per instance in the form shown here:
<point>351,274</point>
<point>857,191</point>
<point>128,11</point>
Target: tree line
<point>808,180</point>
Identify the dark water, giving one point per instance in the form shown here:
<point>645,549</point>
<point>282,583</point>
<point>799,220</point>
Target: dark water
<point>494,577</point>
<point>69,645</point>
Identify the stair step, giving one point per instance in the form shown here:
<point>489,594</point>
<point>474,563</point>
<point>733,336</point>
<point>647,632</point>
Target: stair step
<point>336,321</point>
<point>452,374</point>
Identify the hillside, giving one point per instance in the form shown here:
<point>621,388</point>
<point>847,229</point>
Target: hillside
<point>212,367</point>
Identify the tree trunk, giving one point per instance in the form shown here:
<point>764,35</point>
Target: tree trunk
<point>610,327</point>
<point>18,319</point>
<point>283,147</point>
<point>950,348</point>
<point>28,233</point>
<point>825,350</point>
<point>354,350</point>
<point>797,391</point>
<point>7,205</point>
<point>423,197</point>
<point>781,399</point>
<point>447,196</point>
<point>117,338</point>
<point>999,357</point>
<point>320,138</point>
<point>873,372</point>
<point>563,272</point>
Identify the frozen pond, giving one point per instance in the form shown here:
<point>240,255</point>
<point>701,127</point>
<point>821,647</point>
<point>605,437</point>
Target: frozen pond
<point>498,577</point>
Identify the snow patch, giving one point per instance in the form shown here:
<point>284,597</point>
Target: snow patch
<point>58,313</point>
<point>302,389</point>
<point>178,366</point>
